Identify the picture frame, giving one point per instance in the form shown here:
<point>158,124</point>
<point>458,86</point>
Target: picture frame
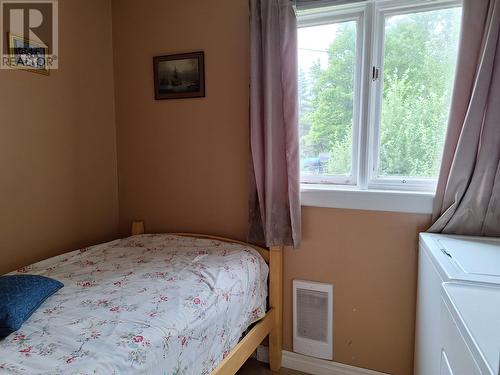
<point>28,55</point>
<point>179,76</point>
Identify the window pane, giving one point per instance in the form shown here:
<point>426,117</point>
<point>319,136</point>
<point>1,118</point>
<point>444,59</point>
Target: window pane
<point>327,63</point>
<point>420,51</point>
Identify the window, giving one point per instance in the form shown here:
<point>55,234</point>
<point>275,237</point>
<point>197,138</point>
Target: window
<point>328,62</point>
<point>375,84</point>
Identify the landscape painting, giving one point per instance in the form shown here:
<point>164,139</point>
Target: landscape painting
<point>179,76</point>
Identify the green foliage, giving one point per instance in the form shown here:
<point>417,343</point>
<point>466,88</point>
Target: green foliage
<point>331,101</point>
<point>419,60</point>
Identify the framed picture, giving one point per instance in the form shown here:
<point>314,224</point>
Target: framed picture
<point>179,76</point>
<point>28,55</point>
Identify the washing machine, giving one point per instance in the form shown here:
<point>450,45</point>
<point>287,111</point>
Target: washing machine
<point>470,329</point>
<point>445,258</point>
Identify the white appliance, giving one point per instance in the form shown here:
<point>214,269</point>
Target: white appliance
<point>470,329</point>
<point>444,258</point>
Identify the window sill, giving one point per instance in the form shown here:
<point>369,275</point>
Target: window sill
<point>372,200</point>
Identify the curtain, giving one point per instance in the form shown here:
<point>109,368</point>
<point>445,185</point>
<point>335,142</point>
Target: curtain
<point>468,192</point>
<point>274,212</point>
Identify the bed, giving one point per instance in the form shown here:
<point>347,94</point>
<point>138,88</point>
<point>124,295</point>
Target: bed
<point>152,304</point>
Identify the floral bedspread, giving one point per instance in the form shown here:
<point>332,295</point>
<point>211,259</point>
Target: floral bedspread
<point>148,304</point>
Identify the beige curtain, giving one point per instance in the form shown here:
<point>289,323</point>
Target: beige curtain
<point>468,193</point>
<point>274,217</point>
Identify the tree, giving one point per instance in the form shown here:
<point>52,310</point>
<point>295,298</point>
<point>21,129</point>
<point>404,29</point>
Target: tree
<point>420,50</point>
<point>332,103</point>
<point>418,70</point>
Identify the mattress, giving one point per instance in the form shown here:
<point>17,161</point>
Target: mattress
<point>147,304</point>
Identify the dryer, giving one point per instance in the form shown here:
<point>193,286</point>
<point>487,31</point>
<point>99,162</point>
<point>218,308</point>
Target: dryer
<point>444,258</point>
<point>470,329</point>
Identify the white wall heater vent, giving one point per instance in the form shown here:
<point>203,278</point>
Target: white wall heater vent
<point>313,319</point>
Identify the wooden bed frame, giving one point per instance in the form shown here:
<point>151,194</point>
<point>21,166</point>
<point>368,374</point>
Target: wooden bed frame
<point>271,324</point>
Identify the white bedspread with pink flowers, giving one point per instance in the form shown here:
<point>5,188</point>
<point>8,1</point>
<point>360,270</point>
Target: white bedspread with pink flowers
<point>148,304</point>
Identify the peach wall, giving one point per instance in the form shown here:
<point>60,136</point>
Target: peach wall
<point>58,181</point>
<point>182,164</point>
<point>371,259</point>
<point>183,167</point>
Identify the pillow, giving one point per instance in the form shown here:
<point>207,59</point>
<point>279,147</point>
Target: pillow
<point>20,296</point>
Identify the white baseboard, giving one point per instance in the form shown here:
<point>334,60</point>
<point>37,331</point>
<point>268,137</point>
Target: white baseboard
<point>313,366</point>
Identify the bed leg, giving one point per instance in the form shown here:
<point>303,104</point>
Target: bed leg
<point>137,228</point>
<point>276,302</point>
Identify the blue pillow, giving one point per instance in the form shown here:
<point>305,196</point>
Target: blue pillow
<point>20,296</point>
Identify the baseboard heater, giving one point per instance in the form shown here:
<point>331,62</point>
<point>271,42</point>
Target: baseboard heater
<point>313,319</point>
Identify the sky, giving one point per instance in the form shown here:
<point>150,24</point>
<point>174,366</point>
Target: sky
<point>184,65</point>
<point>312,44</point>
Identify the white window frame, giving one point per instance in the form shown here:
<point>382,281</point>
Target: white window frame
<point>406,194</point>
